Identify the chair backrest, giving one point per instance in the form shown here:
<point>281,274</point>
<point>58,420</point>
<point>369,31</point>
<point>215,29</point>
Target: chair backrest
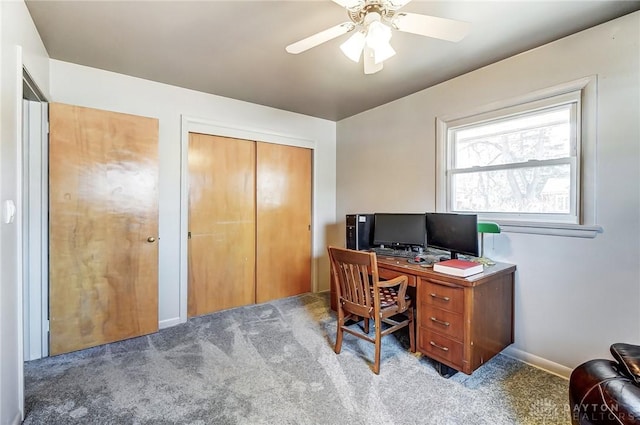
<point>354,274</point>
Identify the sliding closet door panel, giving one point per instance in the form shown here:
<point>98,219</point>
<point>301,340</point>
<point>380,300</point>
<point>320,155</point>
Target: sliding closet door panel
<point>221,223</point>
<point>103,225</point>
<point>283,197</point>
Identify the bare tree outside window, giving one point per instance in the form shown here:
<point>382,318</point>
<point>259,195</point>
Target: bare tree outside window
<point>521,163</point>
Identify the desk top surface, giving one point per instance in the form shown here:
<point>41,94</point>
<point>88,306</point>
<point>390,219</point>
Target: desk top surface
<point>401,265</point>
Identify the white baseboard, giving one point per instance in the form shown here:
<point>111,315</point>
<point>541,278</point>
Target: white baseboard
<point>17,420</point>
<point>538,362</point>
<point>167,323</point>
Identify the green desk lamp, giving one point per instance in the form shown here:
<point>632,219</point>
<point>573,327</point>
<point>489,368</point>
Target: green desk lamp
<point>486,227</point>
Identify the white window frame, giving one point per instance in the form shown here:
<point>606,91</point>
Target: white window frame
<point>581,221</point>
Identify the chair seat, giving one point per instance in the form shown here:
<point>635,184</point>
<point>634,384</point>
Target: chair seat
<point>388,297</point>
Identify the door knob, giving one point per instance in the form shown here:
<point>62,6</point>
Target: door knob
<point>151,239</point>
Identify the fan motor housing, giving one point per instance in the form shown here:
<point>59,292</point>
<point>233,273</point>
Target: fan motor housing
<point>381,7</point>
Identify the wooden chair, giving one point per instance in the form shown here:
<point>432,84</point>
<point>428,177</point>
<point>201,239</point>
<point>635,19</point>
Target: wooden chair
<point>361,295</point>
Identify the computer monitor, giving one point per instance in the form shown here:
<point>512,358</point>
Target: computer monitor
<point>457,233</point>
<point>399,229</point>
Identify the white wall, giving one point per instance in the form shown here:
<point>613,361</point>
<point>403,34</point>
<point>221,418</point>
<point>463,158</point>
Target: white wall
<point>20,45</point>
<point>574,297</point>
<point>79,85</point>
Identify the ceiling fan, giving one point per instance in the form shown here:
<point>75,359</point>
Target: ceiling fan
<point>373,22</point>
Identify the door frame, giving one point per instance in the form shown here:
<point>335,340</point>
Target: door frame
<point>35,228</point>
<point>191,124</point>
<point>34,220</point>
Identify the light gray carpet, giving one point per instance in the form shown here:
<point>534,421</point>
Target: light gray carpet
<point>274,363</point>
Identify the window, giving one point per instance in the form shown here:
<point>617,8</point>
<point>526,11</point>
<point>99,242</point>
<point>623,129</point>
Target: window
<point>517,162</point>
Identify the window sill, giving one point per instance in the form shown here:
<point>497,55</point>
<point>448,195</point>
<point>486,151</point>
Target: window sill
<point>554,229</point>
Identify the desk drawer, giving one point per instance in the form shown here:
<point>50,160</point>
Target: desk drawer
<point>440,347</point>
<point>442,321</point>
<point>387,274</point>
<point>445,297</point>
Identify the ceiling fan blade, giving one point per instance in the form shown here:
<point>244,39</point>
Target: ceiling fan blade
<point>319,38</point>
<point>397,4</point>
<point>348,3</point>
<point>431,26</point>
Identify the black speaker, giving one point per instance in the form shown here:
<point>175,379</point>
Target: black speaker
<point>360,231</point>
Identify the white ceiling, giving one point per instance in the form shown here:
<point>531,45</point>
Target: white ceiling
<point>236,48</point>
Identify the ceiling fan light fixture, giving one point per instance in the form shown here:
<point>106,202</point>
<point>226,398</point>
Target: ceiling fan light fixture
<point>352,48</point>
<point>378,37</point>
<point>377,34</point>
<point>382,52</point>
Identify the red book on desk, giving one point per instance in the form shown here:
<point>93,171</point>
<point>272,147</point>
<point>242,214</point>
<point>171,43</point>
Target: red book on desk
<point>461,268</point>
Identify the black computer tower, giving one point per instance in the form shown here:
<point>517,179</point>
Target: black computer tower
<point>360,231</point>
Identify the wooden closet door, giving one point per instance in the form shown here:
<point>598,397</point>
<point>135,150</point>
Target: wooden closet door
<point>103,226</point>
<point>221,223</point>
<point>283,201</point>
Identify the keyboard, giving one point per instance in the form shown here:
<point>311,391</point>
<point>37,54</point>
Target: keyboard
<point>390,252</point>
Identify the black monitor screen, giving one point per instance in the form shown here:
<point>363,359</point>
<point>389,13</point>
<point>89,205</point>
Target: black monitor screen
<point>399,229</point>
<point>457,233</point>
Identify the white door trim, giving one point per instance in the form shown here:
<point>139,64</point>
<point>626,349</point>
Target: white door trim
<point>35,229</point>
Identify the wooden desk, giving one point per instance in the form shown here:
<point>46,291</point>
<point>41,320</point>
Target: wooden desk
<point>461,322</point>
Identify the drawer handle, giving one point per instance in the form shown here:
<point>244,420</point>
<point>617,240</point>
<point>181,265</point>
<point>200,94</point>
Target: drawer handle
<point>439,346</point>
<point>440,322</point>
<point>440,297</point>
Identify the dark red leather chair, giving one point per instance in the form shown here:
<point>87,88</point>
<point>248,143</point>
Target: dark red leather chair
<point>605,391</point>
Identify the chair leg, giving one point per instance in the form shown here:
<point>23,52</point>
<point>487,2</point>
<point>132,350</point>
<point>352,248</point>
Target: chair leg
<point>366,324</point>
<point>376,364</point>
<point>339,331</point>
<point>412,331</point>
